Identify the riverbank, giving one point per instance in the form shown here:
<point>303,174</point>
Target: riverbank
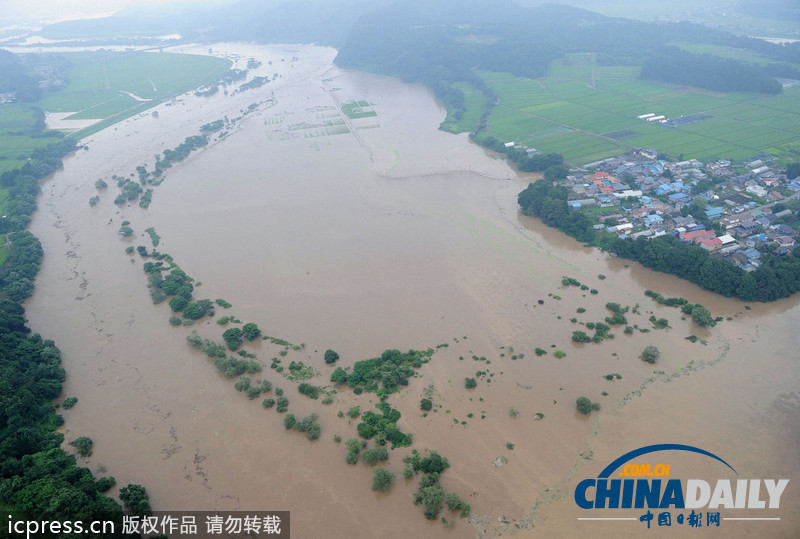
<point>389,235</point>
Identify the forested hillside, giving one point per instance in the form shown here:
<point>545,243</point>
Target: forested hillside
<point>17,78</point>
<point>443,41</point>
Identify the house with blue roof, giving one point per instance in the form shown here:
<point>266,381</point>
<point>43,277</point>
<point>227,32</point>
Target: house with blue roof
<point>678,197</point>
<point>713,213</point>
<point>752,253</point>
<point>653,219</point>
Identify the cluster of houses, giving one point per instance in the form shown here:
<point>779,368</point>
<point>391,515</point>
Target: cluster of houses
<point>49,77</point>
<point>724,207</point>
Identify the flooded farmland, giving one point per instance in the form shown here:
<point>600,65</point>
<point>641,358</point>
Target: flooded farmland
<point>366,232</point>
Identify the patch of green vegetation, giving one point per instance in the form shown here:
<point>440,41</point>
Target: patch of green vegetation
<point>559,113</point>
<point>382,480</point>
<point>466,118</point>
<point>358,109</point>
<point>385,374</point>
<point>585,406</point>
<point>154,238</point>
<point>309,390</point>
<point>84,445</point>
<point>383,427</point>
<point>69,402</point>
<point>299,371</point>
<point>660,323</point>
<point>98,82</point>
<point>650,354</point>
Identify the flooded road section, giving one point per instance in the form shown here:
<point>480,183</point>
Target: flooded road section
<point>367,232</point>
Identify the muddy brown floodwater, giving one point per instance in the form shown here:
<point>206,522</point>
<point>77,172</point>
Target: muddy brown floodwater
<point>374,233</point>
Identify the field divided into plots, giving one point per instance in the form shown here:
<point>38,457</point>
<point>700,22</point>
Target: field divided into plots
<point>102,83</point>
<point>16,127</point>
<point>107,86</point>
<point>588,113</point>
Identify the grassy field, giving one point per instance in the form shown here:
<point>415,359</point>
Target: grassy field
<point>98,80</point>
<point>16,144</point>
<point>98,88</point>
<point>475,103</point>
<point>563,113</point>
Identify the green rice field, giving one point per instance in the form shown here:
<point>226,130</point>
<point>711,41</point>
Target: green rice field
<point>98,82</point>
<point>16,121</point>
<point>563,113</point>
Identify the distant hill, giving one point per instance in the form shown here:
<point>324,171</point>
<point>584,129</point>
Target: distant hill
<point>442,41</point>
<point>784,10</point>
<point>439,42</point>
<point>266,21</point>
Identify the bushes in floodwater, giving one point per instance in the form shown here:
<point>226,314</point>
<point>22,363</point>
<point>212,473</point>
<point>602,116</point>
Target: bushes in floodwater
<point>228,365</point>
<point>250,331</point>
<point>650,354</point>
<point>178,303</point>
<point>375,455</point>
<point>198,309</point>
<point>584,405</point>
<point>580,336</point>
<point>282,404</point>
<point>69,402</point>
<point>308,425</point>
<point>309,390</point>
<point>382,480</point>
<point>233,338</point>
<point>83,445</point>
<point>387,372</point>
<point>383,427</point>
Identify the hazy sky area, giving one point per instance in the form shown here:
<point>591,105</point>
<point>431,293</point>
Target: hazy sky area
<point>18,11</point>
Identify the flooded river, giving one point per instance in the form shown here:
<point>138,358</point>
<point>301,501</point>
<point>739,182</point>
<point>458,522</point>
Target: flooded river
<point>368,233</point>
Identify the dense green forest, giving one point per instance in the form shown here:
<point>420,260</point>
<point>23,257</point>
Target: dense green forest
<point>38,480</point>
<point>777,277</point>
<point>707,71</point>
<point>23,183</point>
<point>18,78</point>
<point>521,159</point>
